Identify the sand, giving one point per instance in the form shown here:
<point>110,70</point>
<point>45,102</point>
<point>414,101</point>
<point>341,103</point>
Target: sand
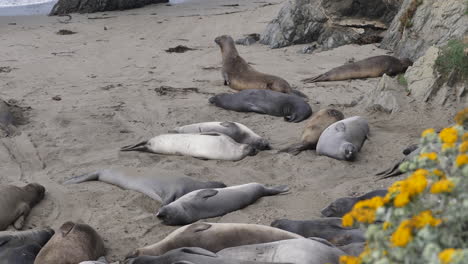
<point>106,75</point>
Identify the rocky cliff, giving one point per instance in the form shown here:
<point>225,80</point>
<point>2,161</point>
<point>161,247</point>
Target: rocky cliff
<point>63,7</point>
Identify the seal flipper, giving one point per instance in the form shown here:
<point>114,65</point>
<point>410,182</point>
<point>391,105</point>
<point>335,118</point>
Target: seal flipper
<point>317,78</point>
<point>137,147</point>
<point>205,194</point>
<point>4,240</point>
<point>410,149</point>
<point>255,108</point>
<point>297,148</point>
<point>276,190</point>
<point>198,251</point>
<point>93,176</point>
<point>340,127</point>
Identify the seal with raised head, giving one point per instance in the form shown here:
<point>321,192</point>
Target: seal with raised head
<point>72,244</point>
<point>367,68</point>
<point>237,131</point>
<point>203,146</point>
<point>207,203</point>
<point>343,139</point>
<point>342,206</point>
<point>190,255</point>
<point>239,75</point>
<point>22,247</point>
<point>214,237</point>
<point>161,187</point>
<point>314,128</point>
<point>292,108</point>
<point>18,202</point>
<point>300,251</point>
<point>329,229</point>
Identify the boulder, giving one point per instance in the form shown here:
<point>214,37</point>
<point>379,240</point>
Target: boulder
<point>331,23</point>
<point>386,96</point>
<point>421,77</point>
<point>63,7</point>
<point>433,22</point>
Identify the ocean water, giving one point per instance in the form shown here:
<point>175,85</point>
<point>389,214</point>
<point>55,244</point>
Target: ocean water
<point>25,7</point>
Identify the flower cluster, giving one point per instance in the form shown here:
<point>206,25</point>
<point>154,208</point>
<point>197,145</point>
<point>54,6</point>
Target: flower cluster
<point>423,218</point>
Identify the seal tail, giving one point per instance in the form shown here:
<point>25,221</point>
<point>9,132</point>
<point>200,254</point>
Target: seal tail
<point>93,176</point>
<point>391,172</point>
<point>276,190</point>
<point>297,148</point>
<point>137,147</point>
<point>318,78</point>
<point>300,94</point>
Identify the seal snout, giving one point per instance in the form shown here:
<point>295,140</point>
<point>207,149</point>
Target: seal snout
<point>212,100</point>
<point>327,212</point>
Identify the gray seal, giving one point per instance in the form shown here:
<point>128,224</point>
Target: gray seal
<point>22,247</point>
<point>367,68</point>
<point>18,202</point>
<point>214,237</point>
<point>73,244</point>
<point>342,206</point>
<point>163,188</point>
<point>190,255</point>
<point>343,140</point>
<point>237,131</point>
<point>301,251</point>
<point>329,229</point>
<point>292,108</point>
<point>207,203</point>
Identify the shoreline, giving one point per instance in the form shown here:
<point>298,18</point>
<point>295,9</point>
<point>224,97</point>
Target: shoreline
<point>27,10</point>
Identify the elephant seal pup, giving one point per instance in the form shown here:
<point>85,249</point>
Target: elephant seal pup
<point>203,146</point>
<point>189,255</point>
<point>239,75</point>
<point>367,68</point>
<point>214,237</point>
<point>18,202</point>
<point>207,203</point>
<point>22,247</point>
<point>329,229</point>
<point>301,251</point>
<point>342,206</point>
<point>291,107</point>
<point>343,140</point>
<point>162,188</point>
<point>73,244</point>
<point>237,131</point>
<point>353,249</point>
<point>314,128</point>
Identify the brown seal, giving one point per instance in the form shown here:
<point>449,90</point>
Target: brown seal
<point>73,244</point>
<point>18,202</point>
<point>239,75</point>
<point>314,128</point>
<point>367,68</point>
<point>215,237</point>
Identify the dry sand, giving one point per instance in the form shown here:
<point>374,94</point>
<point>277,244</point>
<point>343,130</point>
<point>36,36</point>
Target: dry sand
<point>106,80</point>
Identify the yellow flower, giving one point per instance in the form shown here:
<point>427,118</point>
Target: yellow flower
<point>444,185</point>
<point>427,132</point>
<point>430,155</point>
<point>447,146</point>
<point>461,117</point>
<point>465,136</point>
<point>462,159</point>
<point>425,218</point>
<point>347,220</point>
<point>386,225</point>
<point>439,173</point>
<point>448,135</point>
<point>401,200</point>
<point>402,236</point>
<point>447,255</point>
<point>463,147</point>
<point>417,182</point>
<point>350,260</point>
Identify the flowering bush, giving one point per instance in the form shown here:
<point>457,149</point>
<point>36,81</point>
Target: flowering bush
<point>424,218</point>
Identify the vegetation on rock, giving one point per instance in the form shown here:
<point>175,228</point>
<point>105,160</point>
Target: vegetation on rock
<point>453,61</point>
<point>406,18</point>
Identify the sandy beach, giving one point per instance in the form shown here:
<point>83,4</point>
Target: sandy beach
<point>107,77</point>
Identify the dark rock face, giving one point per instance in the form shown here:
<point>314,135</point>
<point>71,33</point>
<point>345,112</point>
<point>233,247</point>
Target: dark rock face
<point>63,7</point>
<point>331,23</point>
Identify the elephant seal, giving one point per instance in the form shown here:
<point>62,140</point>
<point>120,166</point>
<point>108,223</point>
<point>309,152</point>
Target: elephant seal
<point>18,202</point>
<point>314,128</point>
<point>73,244</point>
<point>409,152</point>
<point>162,188</point>
<point>237,131</point>
<point>214,237</point>
<point>342,206</point>
<point>203,146</point>
<point>353,249</point>
<point>190,255</point>
<point>367,68</point>
<point>300,251</point>
<point>22,247</point>
<point>291,107</point>
<point>239,75</point>
<point>343,140</point>
<point>207,203</point>
<point>329,229</point>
